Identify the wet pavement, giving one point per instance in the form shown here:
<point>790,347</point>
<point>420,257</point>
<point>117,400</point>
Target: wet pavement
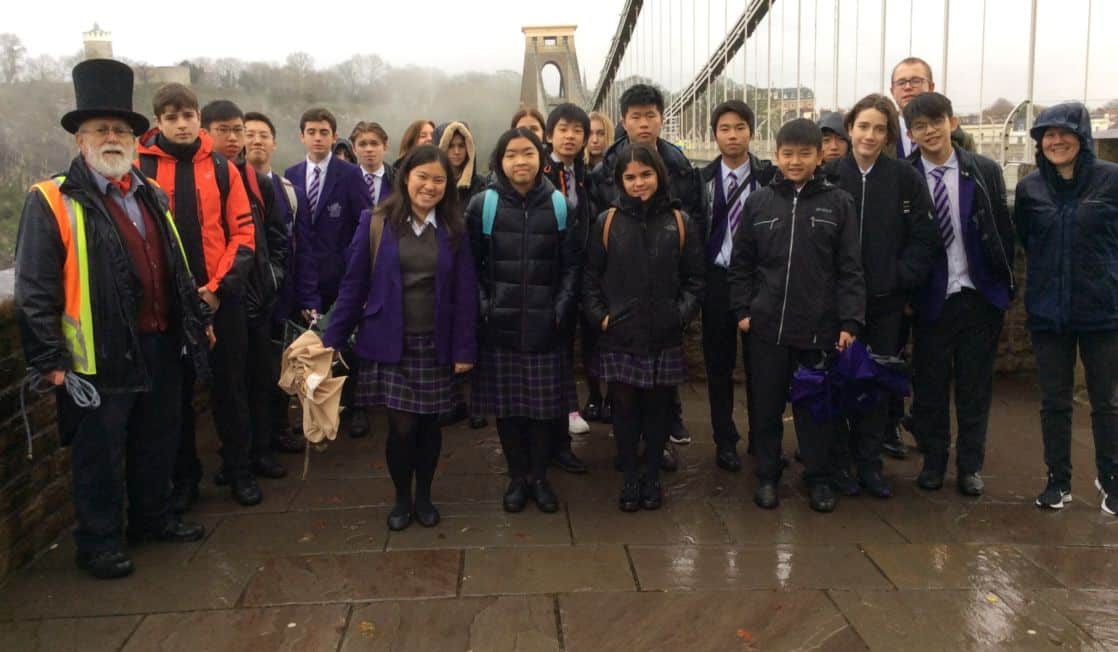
<point>315,568</point>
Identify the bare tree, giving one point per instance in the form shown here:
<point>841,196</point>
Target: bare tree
<point>12,54</point>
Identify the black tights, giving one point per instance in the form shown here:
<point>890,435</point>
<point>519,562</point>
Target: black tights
<point>413,447</point>
<point>638,411</point>
<point>527,445</point>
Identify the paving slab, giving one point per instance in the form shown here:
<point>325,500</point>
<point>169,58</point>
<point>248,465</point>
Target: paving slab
<point>288,629</point>
<point>560,569</point>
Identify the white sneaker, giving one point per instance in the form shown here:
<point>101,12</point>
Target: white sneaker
<point>576,425</point>
<point>1109,504</point>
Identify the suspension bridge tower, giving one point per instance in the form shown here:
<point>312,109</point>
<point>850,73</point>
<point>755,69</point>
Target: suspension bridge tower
<point>551,45</point>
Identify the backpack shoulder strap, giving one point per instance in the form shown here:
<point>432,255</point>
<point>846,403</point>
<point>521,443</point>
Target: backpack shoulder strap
<point>489,211</point>
<point>221,175</point>
<point>605,228</point>
<point>289,193</point>
<point>149,165</point>
<point>680,228</point>
<point>376,233</point>
<point>559,203</point>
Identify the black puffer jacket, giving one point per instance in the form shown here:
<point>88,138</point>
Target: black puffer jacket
<point>267,275</point>
<point>796,271</point>
<point>527,269</point>
<point>896,227</point>
<point>686,182</point>
<point>644,282</point>
<point>115,290</point>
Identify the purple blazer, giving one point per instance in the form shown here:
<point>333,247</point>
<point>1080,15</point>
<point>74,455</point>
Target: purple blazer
<point>374,303</point>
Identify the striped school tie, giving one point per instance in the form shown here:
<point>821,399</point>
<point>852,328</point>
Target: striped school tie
<point>371,181</point>
<point>312,192</point>
<point>943,207</point>
<point>735,210</point>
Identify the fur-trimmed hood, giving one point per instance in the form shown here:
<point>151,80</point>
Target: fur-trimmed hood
<point>444,134</point>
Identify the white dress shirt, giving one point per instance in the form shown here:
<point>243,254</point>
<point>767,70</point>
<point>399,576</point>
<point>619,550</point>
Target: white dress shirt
<point>906,142</point>
<point>378,181</point>
<point>322,165</point>
<point>958,268</point>
<point>742,173</point>
<point>418,227</point>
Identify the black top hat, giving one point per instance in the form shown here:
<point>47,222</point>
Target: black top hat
<point>103,88</point>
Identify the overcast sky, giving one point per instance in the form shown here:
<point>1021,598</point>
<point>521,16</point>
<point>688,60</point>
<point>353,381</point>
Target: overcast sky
<point>485,35</point>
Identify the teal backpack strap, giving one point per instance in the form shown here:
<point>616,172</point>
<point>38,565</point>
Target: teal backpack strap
<point>489,211</point>
<point>559,201</point>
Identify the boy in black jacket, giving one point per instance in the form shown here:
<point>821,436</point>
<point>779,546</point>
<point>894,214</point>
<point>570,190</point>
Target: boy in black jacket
<point>796,287</point>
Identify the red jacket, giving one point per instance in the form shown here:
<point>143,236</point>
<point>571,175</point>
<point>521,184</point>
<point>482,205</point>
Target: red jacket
<point>220,243</point>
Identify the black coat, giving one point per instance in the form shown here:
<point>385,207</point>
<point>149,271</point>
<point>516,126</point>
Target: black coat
<point>796,271</point>
<point>896,227</point>
<point>270,255</point>
<point>644,282</point>
<point>114,288</point>
<point>527,269</point>
<point>686,183</point>
<point>584,213</point>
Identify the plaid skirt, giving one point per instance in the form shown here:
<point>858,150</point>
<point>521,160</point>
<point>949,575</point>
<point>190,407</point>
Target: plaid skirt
<point>532,385</point>
<point>667,368</point>
<point>417,384</point>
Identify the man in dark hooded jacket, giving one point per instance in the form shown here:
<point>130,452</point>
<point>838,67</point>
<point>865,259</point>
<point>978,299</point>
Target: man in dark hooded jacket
<point>1065,213</point>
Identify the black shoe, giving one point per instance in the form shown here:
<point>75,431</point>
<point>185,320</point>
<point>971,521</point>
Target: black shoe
<point>569,462</point>
<point>607,412</point>
<point>930,479</point>
<point>823,498</point>
<point>1055,495</point>
<point>516,496</point>
<point>105,565</point>
<point>454,415</point>
<point>668,460</point>
<point>727,459</point>
<point>246,491</point>
<point>222,478</point>
<point>477,423</point>
<point>358,424</point>
<point>400,516</point>
<point>183,496</point>
<point>765,497</point>
<point>288,443</point>
<point>893,445</point>
<point>173,531</point>
<point>630,500</point>
<point>875,485</point>
<point>426,513</point>
<point>266,466</point>
<point>652,495</point>
<point>545,498</point>
<point>845,484</point>
<point>592,411</point>
<point>970,484</point>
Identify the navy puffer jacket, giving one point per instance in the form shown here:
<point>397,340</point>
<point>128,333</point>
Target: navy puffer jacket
<point>1069,229</point>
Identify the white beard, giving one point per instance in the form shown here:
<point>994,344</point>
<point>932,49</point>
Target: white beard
<point>110,168</point>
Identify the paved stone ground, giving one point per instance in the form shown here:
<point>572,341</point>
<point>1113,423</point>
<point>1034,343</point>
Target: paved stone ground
<point>315,568</point>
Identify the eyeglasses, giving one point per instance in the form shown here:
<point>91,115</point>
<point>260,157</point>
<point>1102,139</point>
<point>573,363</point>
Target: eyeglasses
<point>124,133</point>
<point>911,81</point>
<point>918,128</point>
<point>225,131</point>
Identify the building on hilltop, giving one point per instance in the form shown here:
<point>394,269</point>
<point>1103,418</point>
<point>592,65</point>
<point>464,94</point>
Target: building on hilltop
<point>99,45</point>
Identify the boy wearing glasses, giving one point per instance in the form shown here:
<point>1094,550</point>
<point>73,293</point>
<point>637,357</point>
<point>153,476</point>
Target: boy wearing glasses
<point>911,77</point>
<point>959,313</point>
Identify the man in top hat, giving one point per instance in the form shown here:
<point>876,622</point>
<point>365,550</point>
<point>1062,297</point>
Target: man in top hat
<point>104,295</point>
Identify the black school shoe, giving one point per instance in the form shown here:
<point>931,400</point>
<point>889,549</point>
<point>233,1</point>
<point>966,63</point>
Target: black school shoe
<point>544,497</point>
<point>630,499</point>
<point>246,491</point>
<point>173,531</point>
<point>400,516</point>
<point>823,498</point>
<point>358,424</point>
<point>426,514</point>
<point>766,497</point>
<point>669,461</point>
<point>592,411</point>
<point>652,495</point>
<point>516,496</point>
<point>105,565</point>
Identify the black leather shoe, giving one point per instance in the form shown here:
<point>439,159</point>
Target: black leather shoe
<point>266,466</point>
<point>652,495</point>
<point>358,424</point>
<point>727,459</point>
<point>930,480</point>
<point>592,411</point>
<point>569,462</point>
<point>400,517</point>
<point>970,484</point>
<point>454,415</point>
<point>668,460</point>
<point>173,531</point>
<point>516,496</point>
<point>845,484</point>
<point>426,514</point>
<point>630,500</point>
<point>105,565</point>
<point>246,491</point>
<point>823,498</point>
<point>765,497</point>
<point>607,412</point>
<point>893,445</point>
<point>288,443</point>
<point>875,485</point>
<point>477,423</point>
<point>183,497</point>
<point>545,498</point>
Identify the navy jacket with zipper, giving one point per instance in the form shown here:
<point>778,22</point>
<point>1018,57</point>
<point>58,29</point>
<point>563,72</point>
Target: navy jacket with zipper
<point>796,270</point>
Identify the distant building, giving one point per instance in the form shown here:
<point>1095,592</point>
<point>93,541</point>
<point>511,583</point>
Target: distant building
<point>99,45</point>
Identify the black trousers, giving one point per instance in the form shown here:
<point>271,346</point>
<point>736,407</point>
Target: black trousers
<point>228,399</point>
<point>1055,361</point>
<point>641,412</point>
<point>961,347</point>
<point>279,400</point>
<point>127,443</point>
<point>720,352</point>
<point>772,367</point>
<point>261,375</point>
<point>867,432</point>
